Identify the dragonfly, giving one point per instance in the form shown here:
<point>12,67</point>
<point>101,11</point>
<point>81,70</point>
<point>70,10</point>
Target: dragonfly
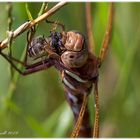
<point>72,56</point>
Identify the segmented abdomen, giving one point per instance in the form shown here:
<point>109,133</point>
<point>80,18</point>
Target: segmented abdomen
<point>75,88</point>
<point>33,52</point>
<point>37,46</point>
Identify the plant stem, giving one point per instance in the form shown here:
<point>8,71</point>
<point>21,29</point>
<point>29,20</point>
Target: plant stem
<point>25,26</point>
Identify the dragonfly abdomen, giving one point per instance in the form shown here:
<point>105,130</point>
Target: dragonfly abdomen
<point>75,88</point>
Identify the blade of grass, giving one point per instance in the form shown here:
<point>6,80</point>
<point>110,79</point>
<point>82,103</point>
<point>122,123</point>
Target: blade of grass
<point>42,9</point>
<point>30,17</point>
<point>58,123</point>
<point>13,83</point>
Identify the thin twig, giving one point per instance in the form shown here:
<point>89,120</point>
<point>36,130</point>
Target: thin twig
<point>42,9</point>
<point>25,26</point>
<point>91,45</point>
<point>107,35</point>
<point>10,22</point>
<point>10,19</point>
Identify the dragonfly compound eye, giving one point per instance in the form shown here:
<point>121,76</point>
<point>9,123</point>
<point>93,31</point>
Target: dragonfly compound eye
<point>76,54</point>
<point>74,41</point>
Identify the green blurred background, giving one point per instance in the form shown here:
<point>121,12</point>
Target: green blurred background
<point>35,106</point>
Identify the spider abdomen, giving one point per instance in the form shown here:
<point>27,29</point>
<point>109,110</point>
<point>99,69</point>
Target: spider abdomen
<point>37,46</point>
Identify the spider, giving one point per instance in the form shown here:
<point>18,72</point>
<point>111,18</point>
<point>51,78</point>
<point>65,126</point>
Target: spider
<point>71,55</point>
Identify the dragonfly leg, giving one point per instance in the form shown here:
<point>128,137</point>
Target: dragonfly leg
<point>57,23</point>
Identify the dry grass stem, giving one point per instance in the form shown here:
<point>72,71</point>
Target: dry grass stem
<point>107,35</point>
<point>25,26</point>
<point>91,44</point>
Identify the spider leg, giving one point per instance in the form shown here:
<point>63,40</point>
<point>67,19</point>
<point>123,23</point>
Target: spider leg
<point>57,23</point>
<point>96,105</point>
<point>30,68</point>
<point>107,35</point>
<point>10,58</point>
<point>30,35</point>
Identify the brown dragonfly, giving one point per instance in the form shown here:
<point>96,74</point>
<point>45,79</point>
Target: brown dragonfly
<point>71,55</point>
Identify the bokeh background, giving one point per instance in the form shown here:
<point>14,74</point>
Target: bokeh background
<point>35,106</point>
